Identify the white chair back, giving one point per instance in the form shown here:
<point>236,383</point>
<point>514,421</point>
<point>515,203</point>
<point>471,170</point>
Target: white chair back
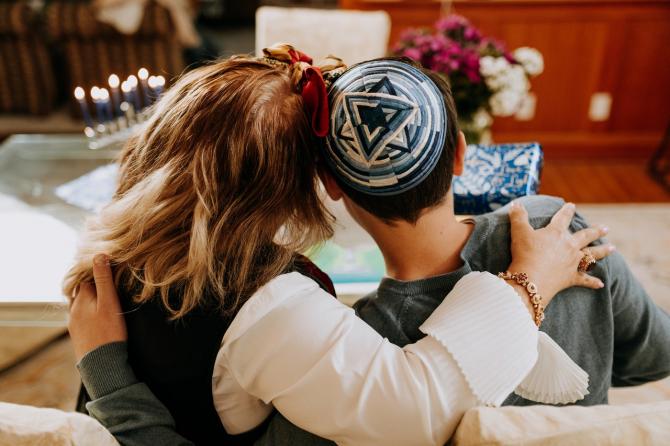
<point>354,36</point>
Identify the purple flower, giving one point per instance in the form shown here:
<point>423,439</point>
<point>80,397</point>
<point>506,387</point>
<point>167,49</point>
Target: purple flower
<point>472,34</point>
<point>507,55</point>
<point>410,34</point>
<point>412,53</point>
<point>451,22</point>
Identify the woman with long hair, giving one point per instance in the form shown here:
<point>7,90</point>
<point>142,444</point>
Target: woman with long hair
<point>216,197</point>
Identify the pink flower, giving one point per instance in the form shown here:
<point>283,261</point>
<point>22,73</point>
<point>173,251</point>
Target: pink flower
<point>412,53</point>
<point>451,22</point>
<point>472,34</point>
<point>409,35</point>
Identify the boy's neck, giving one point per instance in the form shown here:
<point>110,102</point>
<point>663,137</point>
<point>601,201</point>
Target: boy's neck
<point>428,248</point>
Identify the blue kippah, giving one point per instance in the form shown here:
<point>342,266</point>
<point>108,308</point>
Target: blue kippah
<point>387,127</point>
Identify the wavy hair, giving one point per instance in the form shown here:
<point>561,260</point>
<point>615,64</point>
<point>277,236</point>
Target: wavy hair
<point>216,195</point>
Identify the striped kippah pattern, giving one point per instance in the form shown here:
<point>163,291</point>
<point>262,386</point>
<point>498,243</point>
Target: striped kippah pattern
<point>387,127</point>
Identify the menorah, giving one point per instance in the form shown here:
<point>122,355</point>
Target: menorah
<point>119,113</point>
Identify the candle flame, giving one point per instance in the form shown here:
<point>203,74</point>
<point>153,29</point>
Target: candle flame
<point>125,87</point>
<point>160,81</point>
<point>95,93</point>
<point>79,93</point>
<point>104,94</point>
<point>132,81</point>
<point>143,74</point>
<point>113,81</point>
<point>153,82</point>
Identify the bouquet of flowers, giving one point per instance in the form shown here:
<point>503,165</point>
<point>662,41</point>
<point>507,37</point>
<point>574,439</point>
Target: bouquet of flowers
<point>485,78</point>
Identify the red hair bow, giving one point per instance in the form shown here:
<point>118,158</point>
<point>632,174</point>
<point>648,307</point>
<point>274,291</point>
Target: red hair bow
<point>315,96</point>
<point>312,86</point>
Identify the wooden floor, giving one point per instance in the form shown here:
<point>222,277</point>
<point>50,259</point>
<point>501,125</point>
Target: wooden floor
<point>601,181</point>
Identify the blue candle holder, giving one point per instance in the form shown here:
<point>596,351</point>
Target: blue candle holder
<point>117,123</point>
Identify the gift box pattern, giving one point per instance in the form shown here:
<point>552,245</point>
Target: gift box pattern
<point>495,175</point>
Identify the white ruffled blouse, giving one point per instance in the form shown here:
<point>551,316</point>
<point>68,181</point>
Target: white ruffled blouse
<point>292,346</point>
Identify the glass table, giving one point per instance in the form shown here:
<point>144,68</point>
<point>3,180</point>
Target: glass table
<point>38,230</point>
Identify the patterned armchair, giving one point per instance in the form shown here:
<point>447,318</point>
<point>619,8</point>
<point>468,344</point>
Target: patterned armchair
<point>27,81</point>
<point>92,50</point>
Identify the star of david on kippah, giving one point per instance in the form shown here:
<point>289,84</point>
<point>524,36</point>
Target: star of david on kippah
<point>378,118</point>
<point>388,124</point>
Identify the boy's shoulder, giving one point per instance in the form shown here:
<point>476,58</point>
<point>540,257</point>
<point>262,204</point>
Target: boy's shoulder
<point>488,248</point>
<point>540,208</point>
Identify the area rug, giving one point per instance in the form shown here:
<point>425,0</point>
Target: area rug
<point>641,232</point>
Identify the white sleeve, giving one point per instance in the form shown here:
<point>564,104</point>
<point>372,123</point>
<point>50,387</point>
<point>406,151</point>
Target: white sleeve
<point>295,347</point>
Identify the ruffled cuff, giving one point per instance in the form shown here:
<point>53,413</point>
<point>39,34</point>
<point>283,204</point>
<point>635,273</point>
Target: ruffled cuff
<point>555,379</point>
<point>486,328</point>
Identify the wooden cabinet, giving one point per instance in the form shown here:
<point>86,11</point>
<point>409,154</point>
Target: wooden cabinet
<point>617,47</point>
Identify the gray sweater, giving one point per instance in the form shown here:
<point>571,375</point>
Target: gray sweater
<point>616,334</point>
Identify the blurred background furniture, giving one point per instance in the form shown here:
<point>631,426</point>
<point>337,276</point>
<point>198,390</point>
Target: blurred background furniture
<point>605,87</point>
<point>92,50</point>
<point>354,36</point>
<point>27,78</point>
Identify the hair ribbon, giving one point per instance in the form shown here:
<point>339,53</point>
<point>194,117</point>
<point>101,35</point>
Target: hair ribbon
<point>311,85</point>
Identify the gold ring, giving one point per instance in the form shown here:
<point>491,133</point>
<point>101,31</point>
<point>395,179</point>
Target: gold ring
<point>587,262</point>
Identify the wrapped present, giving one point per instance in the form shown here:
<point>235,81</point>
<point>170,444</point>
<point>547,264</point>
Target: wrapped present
<point>495,175</point>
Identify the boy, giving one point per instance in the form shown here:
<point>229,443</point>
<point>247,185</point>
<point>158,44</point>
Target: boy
<point>616,334</point>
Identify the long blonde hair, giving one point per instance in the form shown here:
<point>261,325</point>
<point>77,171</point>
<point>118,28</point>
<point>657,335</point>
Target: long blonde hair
<point>216,195</point>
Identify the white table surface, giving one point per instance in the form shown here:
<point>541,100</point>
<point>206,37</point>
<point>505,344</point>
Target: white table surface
<point>38,231</point>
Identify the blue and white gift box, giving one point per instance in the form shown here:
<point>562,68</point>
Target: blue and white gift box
<point>495,175</point>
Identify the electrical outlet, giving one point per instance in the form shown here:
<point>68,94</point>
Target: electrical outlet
<point>601,106</point>
<point>527,110</point>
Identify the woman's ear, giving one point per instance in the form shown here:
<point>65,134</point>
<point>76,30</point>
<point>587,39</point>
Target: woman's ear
<point>332,188</point>
<point>459,155</point>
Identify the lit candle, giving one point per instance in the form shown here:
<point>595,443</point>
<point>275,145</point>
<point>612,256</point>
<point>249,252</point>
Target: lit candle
<point>132,83</point>
<point>99,107</point>
<point>106,103</point>
<point>127,96</point>
<point>143,74</point>
<point>114,82</point>
<point>129,112</point>
<point>89,132</point>
<point>80,95</point>
<point>160,83</point>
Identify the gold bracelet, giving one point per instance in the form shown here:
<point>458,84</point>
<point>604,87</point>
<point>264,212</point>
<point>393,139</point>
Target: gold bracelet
<point>531,288</point>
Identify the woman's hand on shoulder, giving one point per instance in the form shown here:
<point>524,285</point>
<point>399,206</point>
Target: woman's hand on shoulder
<point>551,255</point>
<point>96,317</point>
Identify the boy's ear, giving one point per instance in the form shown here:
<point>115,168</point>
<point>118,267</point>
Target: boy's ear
<point>332,188</point>
<point>459,155</point>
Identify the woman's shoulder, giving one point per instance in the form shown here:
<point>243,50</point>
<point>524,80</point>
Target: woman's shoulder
<point>285,293</point>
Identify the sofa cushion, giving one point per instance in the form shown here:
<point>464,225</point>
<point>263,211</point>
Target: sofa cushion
<point>550,425</point>
<point>31,426</point>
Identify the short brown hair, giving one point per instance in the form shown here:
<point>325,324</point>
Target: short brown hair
<point>432,191</point>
